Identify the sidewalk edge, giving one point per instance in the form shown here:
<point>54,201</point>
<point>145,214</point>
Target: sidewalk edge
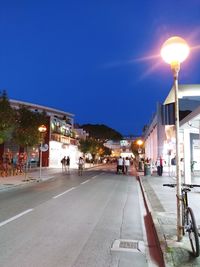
<point>162,243</point>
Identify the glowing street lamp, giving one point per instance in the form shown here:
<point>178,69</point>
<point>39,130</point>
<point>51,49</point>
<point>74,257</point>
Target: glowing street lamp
<point>174,51</point>
<point>42,129</point>
<point>139,143</point>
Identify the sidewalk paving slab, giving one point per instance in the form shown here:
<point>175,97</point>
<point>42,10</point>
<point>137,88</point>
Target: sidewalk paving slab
<point>161,202</point>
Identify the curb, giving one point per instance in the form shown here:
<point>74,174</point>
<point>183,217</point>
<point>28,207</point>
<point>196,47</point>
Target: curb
<point>175,254</point>
<point>161,242</point>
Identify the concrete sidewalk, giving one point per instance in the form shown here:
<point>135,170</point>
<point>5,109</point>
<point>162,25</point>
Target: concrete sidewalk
<point>161,202</point>
<point>33,176</point>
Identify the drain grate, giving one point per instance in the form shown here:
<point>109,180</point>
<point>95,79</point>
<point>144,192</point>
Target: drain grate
<point>128,245</point>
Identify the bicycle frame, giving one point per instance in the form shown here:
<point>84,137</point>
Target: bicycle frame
<point>188,218</point>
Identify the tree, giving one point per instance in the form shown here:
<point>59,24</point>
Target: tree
<point>101,132</point>
<point>94,147</point>
<point>135,147</point>
<point>7,118</point>
<point>26,132</point>
<point>85,146</point>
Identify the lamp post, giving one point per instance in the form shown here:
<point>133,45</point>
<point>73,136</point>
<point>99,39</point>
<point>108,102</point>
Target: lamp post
<point>42,129</point>
<point>139,143</point>
<point>174,51</point>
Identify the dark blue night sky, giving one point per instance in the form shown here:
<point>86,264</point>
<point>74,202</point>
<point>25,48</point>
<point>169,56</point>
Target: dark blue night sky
<point>96,59</point>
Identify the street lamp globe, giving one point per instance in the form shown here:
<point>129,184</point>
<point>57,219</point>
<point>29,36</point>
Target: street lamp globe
<point>139,142</point>
<point>175,50</point>
<point>42,128</point>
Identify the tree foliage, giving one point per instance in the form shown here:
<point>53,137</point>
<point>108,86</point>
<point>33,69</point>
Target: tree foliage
<point>94,147</point>
<point>135,147</point>
<point>7,118</point>
<point>26,132</point>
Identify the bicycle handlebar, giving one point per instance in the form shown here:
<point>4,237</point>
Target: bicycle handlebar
<point>185,185</point>
<point>170,185</point>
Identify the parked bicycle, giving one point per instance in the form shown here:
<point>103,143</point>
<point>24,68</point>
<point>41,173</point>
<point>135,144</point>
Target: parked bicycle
<point>188,219</point>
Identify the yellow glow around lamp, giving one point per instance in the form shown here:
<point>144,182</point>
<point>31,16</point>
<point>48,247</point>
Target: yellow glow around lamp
<point>139,142</point>
<point>175,50</point>
<point>42,128</point>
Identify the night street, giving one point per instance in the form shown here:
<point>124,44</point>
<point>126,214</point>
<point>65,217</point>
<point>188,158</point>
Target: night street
<point>74,221</point>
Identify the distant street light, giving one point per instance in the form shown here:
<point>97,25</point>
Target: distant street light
<point>174,51</point>
<point>42,129</point>
<point>139,143</point>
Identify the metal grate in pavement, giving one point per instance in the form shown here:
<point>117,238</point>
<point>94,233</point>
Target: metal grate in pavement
<point>128,245</point>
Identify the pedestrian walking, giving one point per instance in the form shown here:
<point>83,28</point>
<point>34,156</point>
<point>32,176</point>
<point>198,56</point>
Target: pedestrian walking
<point>173,166</point>
<point>159,165</point>
<point>120,165</point>
<point>126,165</point>
<point>80,166</point>
<point>63,162</point>
<point>68,163</point>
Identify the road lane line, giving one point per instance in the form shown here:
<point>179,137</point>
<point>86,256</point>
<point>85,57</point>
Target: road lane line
<point>97,175</point>
<point>15,217</point>
<point>65,192</point>
<point>93,177</point>
<point>85,181</point>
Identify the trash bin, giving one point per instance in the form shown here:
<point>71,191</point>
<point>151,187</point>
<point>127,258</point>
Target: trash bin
<point>140,166</point>
<point>147,170</point>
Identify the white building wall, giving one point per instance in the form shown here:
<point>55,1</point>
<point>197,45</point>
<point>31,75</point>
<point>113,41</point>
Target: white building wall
<point>154,144</point>
<point>57,151</point>
<point>151,145</point>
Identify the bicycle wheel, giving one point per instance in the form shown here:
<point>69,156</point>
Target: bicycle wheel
<point>192,232</point>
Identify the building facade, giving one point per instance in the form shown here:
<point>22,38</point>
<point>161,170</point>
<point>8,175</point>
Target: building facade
<point>160,137</point>
<point>59,139</point>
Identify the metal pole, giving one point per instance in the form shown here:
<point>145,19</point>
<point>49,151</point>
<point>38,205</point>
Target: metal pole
<point>42,129</point>
<point>40,161</point>
<point>176,68</point>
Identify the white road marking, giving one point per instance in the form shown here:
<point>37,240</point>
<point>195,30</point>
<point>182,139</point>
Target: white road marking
<point>85,181</point>
<point>15,217</point>
<point>97,175</point>
<point>94,177</point>
<point>64,192</point>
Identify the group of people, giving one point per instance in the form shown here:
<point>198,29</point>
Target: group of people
<point>123,165</point>
<point>160,163</point>
<point>65,161</point>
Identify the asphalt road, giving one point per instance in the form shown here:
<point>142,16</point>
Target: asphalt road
<point>96,220</point>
